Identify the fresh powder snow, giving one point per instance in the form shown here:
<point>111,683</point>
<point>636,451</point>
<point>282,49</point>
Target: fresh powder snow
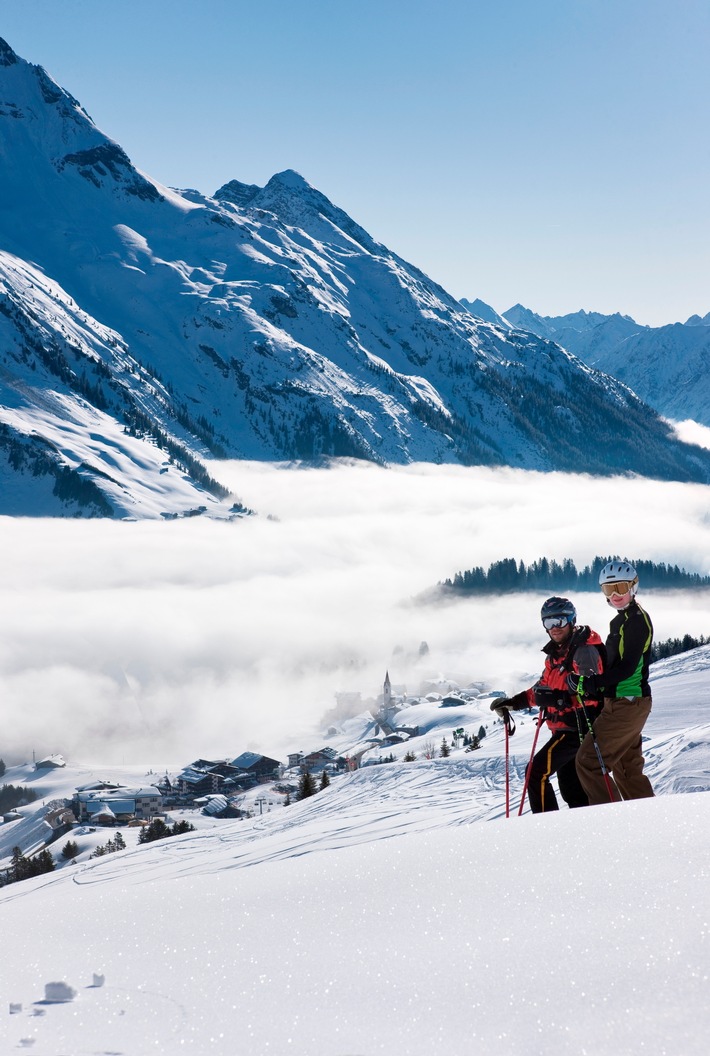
<point>396,912</point>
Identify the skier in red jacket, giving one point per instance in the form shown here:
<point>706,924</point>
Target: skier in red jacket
<point>571,649</point>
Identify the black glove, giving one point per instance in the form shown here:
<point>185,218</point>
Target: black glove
<point>501,706</point>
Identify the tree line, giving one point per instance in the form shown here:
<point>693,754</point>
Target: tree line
<point>673,646</point>
<point>550,576</point>
<point>22,867</point>
<point>12,796</point>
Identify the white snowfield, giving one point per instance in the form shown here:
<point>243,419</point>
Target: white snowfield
<point>396,912</point>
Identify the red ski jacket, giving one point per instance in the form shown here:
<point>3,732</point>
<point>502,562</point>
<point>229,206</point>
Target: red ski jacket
<point>562,710</point>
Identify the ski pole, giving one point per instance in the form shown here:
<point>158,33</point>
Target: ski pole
<point>597,749</point>
<point>586,662</point>
<point>509,731</point>
<point>540,720</point>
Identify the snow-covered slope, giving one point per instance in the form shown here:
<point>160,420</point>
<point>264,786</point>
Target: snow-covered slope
<point>260,323</point>
<point>667,366</point>
<point>484,311</point>
<point>397,911</point>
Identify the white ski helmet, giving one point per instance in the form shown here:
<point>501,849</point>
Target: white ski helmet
<point>618,572</point>
<point>623,575</point>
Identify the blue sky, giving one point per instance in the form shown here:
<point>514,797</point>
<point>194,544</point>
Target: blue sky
<point>552,152</point>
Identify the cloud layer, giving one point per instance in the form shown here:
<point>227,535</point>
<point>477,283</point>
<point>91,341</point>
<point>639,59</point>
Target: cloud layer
<point>161,642</point>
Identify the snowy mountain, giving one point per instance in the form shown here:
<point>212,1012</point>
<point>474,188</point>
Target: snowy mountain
<point>667,366</point>
<point>397,911</point>
<point>143,329</point>
<point>484,311</point>
<point>696,320</point>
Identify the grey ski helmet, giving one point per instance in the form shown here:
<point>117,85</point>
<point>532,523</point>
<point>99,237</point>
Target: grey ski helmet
<point>558,607</point>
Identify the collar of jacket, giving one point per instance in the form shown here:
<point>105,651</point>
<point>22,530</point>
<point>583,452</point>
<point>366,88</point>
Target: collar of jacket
<point>578,636</point>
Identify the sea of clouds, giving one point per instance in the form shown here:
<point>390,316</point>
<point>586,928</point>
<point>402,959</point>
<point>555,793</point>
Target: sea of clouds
<point>161,642</point>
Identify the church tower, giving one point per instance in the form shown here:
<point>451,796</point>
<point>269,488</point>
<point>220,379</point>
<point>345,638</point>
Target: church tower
<point>387,694</point>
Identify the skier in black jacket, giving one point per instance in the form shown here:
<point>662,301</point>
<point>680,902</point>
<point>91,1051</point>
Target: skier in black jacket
<point>627,695</point>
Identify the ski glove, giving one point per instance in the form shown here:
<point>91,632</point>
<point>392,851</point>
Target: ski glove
<point>502,704</point>
<point>585,686</point>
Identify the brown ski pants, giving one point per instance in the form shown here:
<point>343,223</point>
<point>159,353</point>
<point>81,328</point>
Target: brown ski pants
<point>618,733</point>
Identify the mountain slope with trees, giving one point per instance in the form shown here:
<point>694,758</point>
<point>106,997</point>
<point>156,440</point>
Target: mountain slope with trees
<point>667,366</point>
<point>260,323</point>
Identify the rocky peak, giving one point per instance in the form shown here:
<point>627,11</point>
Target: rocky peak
<point>295,202</point>
<point>242,194</point>
<point>7,55</point>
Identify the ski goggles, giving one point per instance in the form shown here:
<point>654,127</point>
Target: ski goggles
<point>555,621</point>
<point>621,588</point>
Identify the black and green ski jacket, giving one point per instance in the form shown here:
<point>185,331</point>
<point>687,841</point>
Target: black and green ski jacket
<point>628,649</point>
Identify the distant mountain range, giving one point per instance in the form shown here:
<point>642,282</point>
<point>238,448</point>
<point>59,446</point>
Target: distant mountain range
<point>667,366</point>
<point>144,329</point>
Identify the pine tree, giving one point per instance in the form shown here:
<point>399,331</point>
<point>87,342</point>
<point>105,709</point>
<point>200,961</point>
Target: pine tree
<point>180,827</point>
<point>19,866</point>
<point>324,780</point>
<point>70,849</point>
<point>409,757</point>
<point>41,863</point>
<point>444,750</point>
<point>2,767</point>
<point>157,830</point>
<point>306,785</point>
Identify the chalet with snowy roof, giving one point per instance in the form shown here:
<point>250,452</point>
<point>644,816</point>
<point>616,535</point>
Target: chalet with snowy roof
<point>259,766</point>
<point>123,803</point>
<point>214,805</point>
<point>99,786</point>
<point>50,762</point>
<point>205,777</point>
<point>320,759</point>
<point>204,764</point>
<point>194,781</point>
<point>104,816</point>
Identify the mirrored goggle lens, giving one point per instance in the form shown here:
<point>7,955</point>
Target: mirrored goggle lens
<point>609,589</point>
<point>555,621</point>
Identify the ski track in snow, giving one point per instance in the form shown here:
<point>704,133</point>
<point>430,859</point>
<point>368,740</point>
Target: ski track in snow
<point>348,942</point>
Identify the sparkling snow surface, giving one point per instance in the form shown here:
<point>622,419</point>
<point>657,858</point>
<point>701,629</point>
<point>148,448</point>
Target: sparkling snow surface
<point>396,912</point>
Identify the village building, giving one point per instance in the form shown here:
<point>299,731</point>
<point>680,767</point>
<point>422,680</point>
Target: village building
<point>119,805</point>
<point>207,777</point>
<point>259,766</point>
<point>51,762</point>
<point>321,759</point>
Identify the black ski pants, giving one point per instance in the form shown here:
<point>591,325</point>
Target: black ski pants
<point>556,757</point>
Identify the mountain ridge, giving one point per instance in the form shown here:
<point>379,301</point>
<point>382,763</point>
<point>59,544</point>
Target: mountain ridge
<point>667,366</point>
<point>262,323</point>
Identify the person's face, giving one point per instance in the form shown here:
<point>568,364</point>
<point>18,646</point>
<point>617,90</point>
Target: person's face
<point>620,601</point>
<point>560,635</point>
